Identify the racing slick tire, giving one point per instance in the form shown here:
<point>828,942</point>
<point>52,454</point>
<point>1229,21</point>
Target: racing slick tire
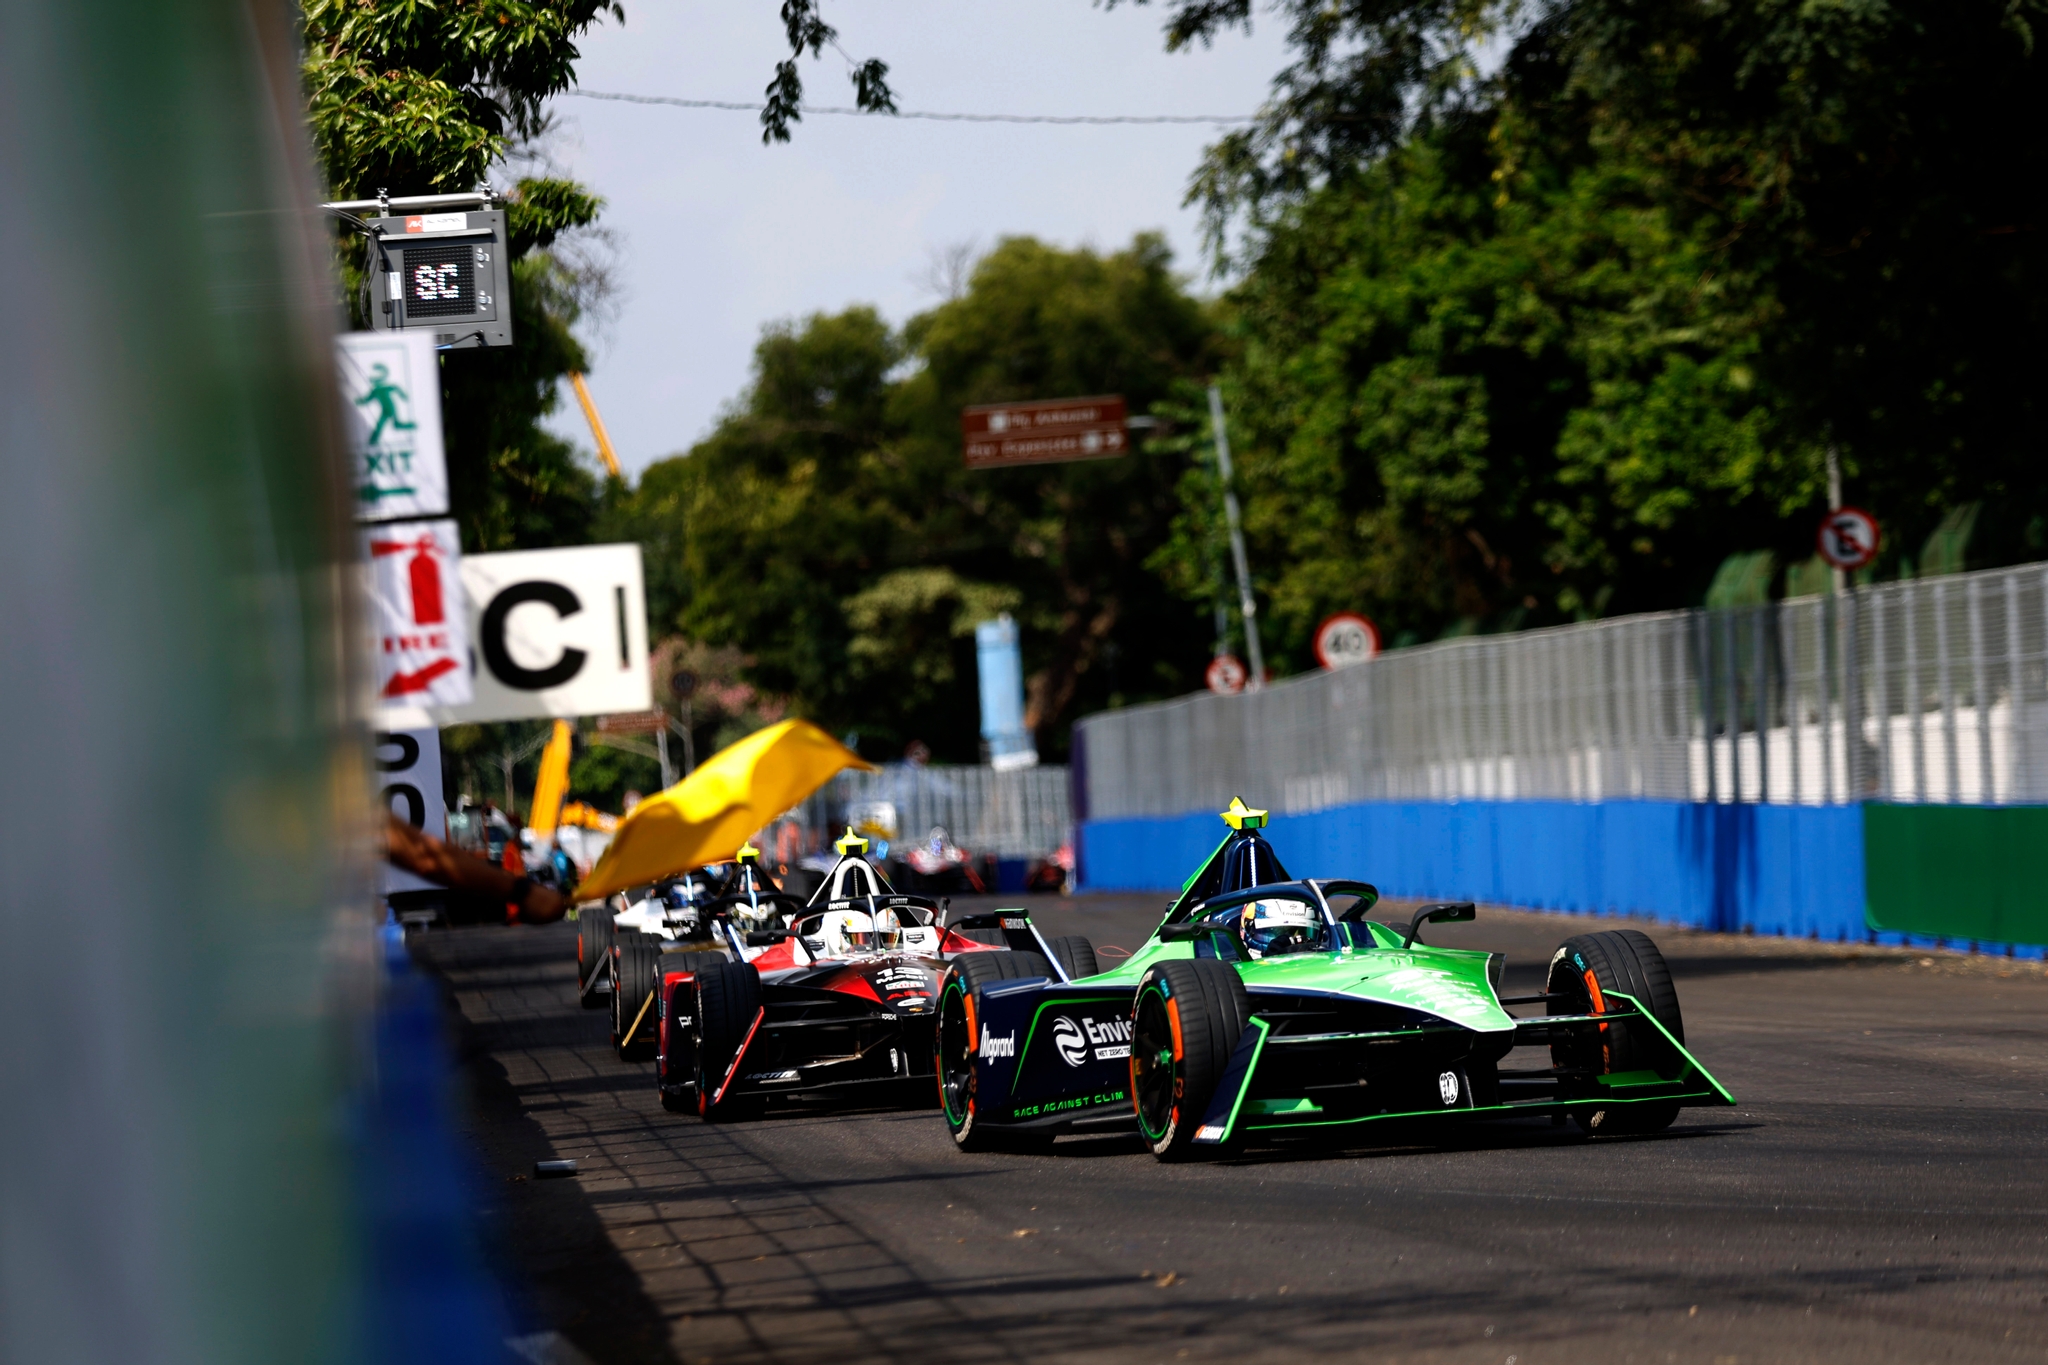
<point>1175,1069</point>
<point>1076,954</point>
<point>637,959</point>
<point>728,1003</point>
<point>593,946</point>
<point>955,1044</point>
<point>675,1060</point>
<point>1584,969</point>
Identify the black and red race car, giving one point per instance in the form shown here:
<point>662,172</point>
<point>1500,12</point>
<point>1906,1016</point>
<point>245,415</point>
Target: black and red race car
<point>841,997</point>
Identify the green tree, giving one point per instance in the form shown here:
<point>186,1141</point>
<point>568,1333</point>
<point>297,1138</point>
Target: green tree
<point>1457,405</point>
<point>828,529</point>
<point>416,99</point>
<point>1553,341</point>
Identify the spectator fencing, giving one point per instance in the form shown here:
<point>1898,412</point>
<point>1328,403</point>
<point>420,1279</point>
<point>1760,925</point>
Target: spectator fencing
<point>1915,694</point>
<point>1022,813</point>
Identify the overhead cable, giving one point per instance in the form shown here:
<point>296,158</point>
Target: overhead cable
<point>919,113</point>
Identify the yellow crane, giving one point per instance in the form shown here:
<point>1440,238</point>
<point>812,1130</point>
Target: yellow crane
<point>597,431</point>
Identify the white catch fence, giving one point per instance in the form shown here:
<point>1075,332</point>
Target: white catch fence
<point>1933,690</point>
<point>1022,813</point>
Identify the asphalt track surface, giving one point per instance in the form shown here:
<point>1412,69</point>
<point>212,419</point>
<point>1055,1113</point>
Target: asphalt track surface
<point>1878,1194</point>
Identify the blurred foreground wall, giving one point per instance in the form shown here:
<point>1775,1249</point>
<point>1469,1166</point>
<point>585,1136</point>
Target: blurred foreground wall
<point>177,912</point>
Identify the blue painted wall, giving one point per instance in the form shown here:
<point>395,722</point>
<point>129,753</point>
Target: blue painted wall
<point>1794,870</point>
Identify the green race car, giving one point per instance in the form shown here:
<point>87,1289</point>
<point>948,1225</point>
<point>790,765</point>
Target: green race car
<point>1264,1004</point>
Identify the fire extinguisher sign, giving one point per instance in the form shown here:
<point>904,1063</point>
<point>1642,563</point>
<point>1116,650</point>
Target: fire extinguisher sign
<point>419,614</point>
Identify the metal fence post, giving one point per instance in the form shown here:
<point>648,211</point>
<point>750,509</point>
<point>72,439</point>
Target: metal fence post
<point>1978,696</point>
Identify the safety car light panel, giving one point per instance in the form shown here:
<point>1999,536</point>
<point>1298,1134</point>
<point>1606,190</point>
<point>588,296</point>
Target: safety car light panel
<point>440,280</point>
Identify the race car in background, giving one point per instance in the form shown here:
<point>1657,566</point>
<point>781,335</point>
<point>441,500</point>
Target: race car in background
<point>1264,1005</point>
<point>841,999</point>
<point>660,935</point>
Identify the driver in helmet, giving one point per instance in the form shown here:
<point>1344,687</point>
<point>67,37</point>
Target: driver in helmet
<point>1270,928</point>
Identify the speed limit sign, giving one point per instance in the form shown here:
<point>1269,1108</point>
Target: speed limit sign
<point>1346,639</point>
<point>1226,674</point>
<point>1848,538</point>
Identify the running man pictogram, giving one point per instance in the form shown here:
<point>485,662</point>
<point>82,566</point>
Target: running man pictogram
<point>385,395</point>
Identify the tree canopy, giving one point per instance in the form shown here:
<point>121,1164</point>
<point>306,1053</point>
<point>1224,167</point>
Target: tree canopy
<point>1538,313</point>
<point>1552,341</point>
<point>828,528</point>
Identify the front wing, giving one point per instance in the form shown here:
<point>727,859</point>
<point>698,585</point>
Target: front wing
<point>820,1040</point>
<point>1051,1056</point>
<point>1279,1081</point>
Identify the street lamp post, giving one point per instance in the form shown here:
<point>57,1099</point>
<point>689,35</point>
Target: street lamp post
<point>1245,602</point>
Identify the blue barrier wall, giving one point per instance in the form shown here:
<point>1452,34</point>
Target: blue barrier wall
<point>1794,870</point>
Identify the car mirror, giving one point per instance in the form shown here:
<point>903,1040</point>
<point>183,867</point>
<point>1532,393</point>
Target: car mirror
<point>1186,931</point>
<point>765,938</point>
<point>1443,912</point>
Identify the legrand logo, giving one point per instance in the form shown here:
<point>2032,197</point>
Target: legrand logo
<point>1109,1038</point>
<point>992,1046</point>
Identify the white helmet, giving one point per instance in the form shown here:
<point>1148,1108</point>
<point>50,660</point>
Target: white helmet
<point>1265,924</point>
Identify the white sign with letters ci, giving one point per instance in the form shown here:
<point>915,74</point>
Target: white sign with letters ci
<point>553,633</point>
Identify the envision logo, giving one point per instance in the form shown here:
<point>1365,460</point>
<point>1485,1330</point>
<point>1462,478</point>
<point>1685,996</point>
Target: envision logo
<point>992,1046</point>
<point>1110,1038</point>
<point>1066,1036</point>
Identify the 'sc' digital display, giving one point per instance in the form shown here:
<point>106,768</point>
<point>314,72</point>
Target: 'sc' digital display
<point>440,281</point>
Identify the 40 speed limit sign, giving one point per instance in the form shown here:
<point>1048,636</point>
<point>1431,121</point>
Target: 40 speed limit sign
<point>1346,639</point>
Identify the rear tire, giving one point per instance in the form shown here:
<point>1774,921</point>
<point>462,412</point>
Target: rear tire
<point>955,1044</point>
<point>728,1002</point>
<point>593,946</point>
<point>1076,954</point>
<point>1625,961</point>
<point>636,960</point>
<point>1171,1086</point>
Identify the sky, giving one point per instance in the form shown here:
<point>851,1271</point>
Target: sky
<point>714,235</point>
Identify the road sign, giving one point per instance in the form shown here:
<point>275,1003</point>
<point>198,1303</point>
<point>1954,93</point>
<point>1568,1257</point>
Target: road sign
<point>556,633</point>
<point>1226,674</point>
<point>409,771</point>
<point>391,405</point>
<point>1346,639</point>
<point>1848,538</point>
<point>446,275</point>
<point>633,723</point>
<point>417,613</point>
<point>1053,432</point>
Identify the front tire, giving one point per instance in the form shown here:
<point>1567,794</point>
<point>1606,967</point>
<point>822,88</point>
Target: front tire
<point>593,947</point>
<point>675,1064</point>
<point>957,1039</point>
<point>1585,969</point>
<point>728,1003</point>
<point>1185,1022</point>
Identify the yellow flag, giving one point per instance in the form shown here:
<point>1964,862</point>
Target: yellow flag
<point>553,783</point>
<point>707,816</point>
